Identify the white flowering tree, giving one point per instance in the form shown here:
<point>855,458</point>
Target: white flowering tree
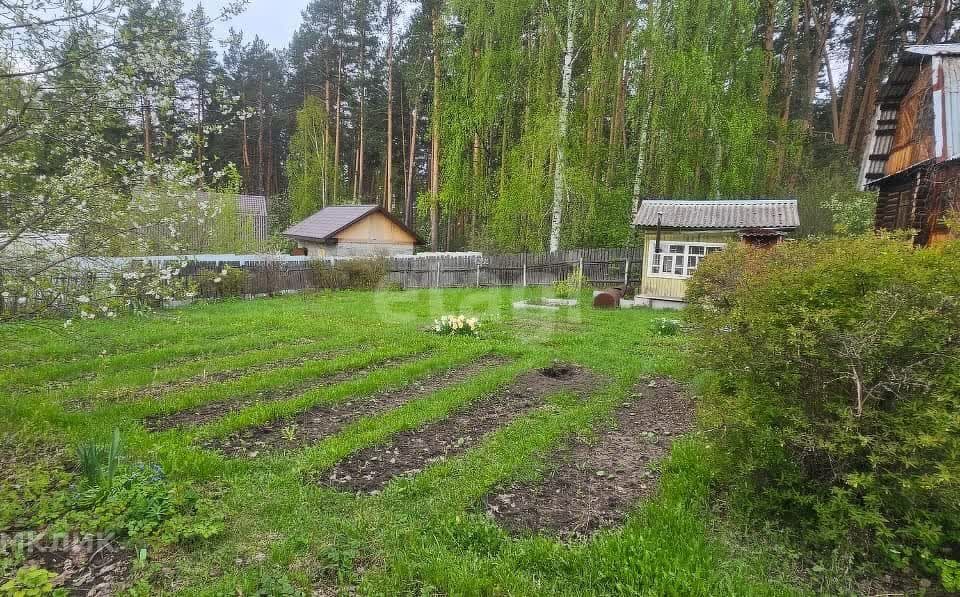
<point>102,119</point>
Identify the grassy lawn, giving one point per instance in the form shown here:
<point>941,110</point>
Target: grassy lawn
<point>423,534</point>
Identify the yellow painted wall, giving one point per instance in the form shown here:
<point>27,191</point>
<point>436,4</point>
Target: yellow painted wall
<point>376,229</point>
<point>674,288</point>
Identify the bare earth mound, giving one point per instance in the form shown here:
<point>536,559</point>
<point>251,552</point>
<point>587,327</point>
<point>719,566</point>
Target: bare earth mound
<point>92,568</point>
<point>409,452</point>
<point>597,481</point>
<point>328,419</point>
<point>212,411</point>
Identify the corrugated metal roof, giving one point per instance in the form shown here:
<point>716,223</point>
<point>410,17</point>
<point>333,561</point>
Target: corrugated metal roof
<point>329,221</point>
<point>935,49</point>
<point>724,215</point>
<point>950,109</point>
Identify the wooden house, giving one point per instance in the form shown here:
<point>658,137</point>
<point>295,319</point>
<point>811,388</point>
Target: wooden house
<point>677,235</point>
<point>352,231</point>
<point>912,154</point>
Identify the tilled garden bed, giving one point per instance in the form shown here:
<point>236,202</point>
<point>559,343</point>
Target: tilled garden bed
<point>409,452</point>
<point>325,420</point>
<point>596,481</point>
<point>159,390</point>
<point>212,411</point>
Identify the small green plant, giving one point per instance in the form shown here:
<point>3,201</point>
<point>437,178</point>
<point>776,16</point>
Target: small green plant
<point>289,433</point>
<point>98,464</point>
<point>570,286</point>
<point>663,326</point>
<point>30,581</point>
<point>457,325</point>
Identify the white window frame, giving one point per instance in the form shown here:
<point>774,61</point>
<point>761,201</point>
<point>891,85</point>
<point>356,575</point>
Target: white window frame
<point>665,251</point>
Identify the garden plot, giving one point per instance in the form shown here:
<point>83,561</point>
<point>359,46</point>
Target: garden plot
<point>597,481</point>
<point>158,390</point>
<point>325,420</point>
<point>409,452</point>
<point>212,411</point>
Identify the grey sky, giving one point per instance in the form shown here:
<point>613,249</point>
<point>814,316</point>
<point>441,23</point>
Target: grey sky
<point>273,20</point>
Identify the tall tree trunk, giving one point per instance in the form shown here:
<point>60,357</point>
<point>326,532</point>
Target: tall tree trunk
<point>336,132</point>
<point>260,137</point>
<point>358,187</point>
<point>435,139</point>
<point>410,195</point>
<point>388,173</point>
<point>559,190</point>
<point>852,81</point>
<point>790,54</point>
<point>816,57</point>
<point>769,19</point>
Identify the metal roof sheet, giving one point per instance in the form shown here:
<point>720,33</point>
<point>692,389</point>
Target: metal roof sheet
<point>935,49</point>
<point>329,221</point>
<point>724,215</point>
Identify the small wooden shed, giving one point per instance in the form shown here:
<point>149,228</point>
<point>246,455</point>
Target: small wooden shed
<point>353,231</point>
<point>677,235</point>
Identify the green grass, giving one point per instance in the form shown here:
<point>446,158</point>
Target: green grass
<point>422,535</point>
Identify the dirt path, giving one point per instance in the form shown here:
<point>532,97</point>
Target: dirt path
<point>326,420</point>
<point>409,452</point>
<point>597,480</point>
<point>212,411</point>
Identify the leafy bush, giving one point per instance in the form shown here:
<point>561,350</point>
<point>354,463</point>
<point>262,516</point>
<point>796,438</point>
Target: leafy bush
<point>570,286</point>
<point>837,394</point>
<point>355,274</point>
<point>228,282</point>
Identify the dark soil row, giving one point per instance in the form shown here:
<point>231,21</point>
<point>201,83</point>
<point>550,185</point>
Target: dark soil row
<point>595,482</point>
<point>325,420</point>
<point>211,411</point>
<point>409,452</point>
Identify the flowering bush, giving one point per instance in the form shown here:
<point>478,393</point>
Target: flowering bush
<point>457,325</point>
<point>228,281</point>
<point>662,326</point>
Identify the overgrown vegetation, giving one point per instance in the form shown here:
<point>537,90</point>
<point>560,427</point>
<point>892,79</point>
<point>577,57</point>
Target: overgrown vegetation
<point>836,393</point>
<point>277,531</point>
<point>352,274</point>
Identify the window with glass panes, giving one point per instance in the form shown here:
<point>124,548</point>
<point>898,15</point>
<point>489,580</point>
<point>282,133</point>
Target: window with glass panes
<point>678,259</point>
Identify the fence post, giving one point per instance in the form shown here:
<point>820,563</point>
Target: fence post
<point>438,273</point>
<point>523,261</point>
<point>626,273</point>
<point>478,273</point>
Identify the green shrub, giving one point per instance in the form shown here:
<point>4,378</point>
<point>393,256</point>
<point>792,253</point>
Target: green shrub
<point>227,282</point>
<point>570,286</point>
<point>837,394</point>
<point>353,274</point>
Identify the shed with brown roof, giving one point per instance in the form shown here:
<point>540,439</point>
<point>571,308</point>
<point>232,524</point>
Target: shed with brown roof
<point>353,231</point>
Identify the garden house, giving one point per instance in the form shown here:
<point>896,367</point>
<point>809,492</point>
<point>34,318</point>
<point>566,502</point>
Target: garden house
<point>912,153</point>
<point>352,231</point>
<point>677,235</point>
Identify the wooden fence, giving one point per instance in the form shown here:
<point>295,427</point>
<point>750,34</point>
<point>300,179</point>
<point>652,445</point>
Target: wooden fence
<point>275,275</point>
<point>600,267</point>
